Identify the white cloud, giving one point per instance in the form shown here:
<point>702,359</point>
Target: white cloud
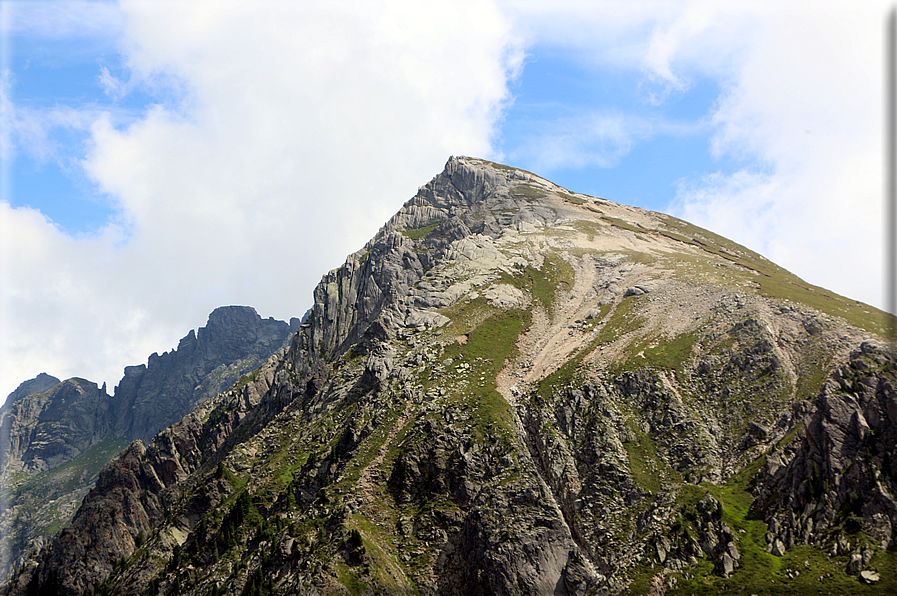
<point>805,102</point>
<point>591,139</point>
<point>301,129</point>
<point>31,131</point>
<point>56,19</point>
<point>801,103</point>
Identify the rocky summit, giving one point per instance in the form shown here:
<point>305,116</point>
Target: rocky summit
<point>517,389</point>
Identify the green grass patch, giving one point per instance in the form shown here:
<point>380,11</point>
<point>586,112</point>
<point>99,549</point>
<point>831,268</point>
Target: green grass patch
<point>776,575</point>
<point>466,316</point>
<point>679,238</point>
<point>640,577</point>
<point>567,374</point>
<point>556,274</point>
<point>776,282</point>
<point>636,256</point>
<point>348,578</point>
<point>66,477</point>
<point>247,379</point>
<point>542,284</point>
<point>418,233</point>
<point>757,566</point>
<point>52,528</point>
<point>790,436</point>
<point>624,320</point>
<point>223,472</point>
<point>487,348</point>
<point>395,448</point>
<point>589,228</point>
<point>379,547</point>
<point>17,478</point>
<point>528,191</point>
<point>644,463</point>
<point>813,369</point>
<point>624,225</point>
<point>572,199</point>
<point>664,353</point>
<point>368,449</point>
<point>504,168</point>
<point>603,309</point>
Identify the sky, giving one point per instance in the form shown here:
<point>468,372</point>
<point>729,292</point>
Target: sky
<point>159,159</point>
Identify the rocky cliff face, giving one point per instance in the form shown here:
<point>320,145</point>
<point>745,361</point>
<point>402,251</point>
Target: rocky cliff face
<point>55,437</point>
<point>833,477</point>
<point>48,428</point>
<point>234,342</point>
<point>517,389</point>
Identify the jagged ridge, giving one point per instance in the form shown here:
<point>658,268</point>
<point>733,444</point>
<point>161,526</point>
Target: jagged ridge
<point>56,436</point>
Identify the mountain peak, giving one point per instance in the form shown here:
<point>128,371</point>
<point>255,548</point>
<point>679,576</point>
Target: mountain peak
<point>38,384</point>
<point>514,388</point>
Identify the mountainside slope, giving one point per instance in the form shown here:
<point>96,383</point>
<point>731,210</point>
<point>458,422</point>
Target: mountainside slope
<point>56,436</point>
<point>517,389</point>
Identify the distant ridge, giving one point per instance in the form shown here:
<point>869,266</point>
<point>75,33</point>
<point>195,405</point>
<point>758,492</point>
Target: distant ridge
<point>56,436</point>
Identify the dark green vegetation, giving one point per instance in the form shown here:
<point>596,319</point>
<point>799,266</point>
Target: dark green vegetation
<point>485,352</point>
<point>575,200</point>
<point>544,283</point>
<point>419,233</point>
<point>61,479</point>
<point>246,379</point>
<point>49,426</point>
<point>643,461</point>
<point>529,192</point>
<point>805,569</point>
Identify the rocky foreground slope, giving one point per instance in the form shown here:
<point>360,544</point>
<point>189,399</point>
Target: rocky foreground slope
<point>516,389</point>
<point>56,436</point>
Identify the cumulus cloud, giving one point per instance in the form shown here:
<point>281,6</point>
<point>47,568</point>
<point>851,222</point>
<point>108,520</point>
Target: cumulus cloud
<point>288,133</point>
<point>804,104</point>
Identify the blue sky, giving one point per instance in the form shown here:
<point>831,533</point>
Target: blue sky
<point>161,159</point>
<point>669,139</point>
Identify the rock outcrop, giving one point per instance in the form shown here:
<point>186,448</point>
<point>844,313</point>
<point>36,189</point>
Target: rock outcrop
<point>46,429</point>
<point>56,436</point>
<point>234,342</point>
<point>516,389</point>
<point>833,477</point>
